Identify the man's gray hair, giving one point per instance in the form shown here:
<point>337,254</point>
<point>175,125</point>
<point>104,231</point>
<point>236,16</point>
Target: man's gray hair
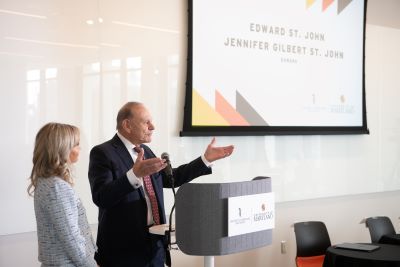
<point>126,113</point>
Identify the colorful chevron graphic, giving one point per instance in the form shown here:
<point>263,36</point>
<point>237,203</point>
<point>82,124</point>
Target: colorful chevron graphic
<point>224,113</point>
<point>341,4</point>
<point>203,114</point>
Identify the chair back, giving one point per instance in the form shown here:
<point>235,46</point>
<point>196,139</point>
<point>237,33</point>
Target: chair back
<point>378,227</point>
<point>312,238</point>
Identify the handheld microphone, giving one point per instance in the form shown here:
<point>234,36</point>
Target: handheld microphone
<point>168,169</point>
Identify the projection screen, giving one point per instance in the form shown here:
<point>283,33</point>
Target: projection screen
<point>259,67</point>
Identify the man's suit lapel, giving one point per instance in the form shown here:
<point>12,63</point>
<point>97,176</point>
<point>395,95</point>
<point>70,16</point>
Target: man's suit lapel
<point>122,152</point>
<point>124,155</point>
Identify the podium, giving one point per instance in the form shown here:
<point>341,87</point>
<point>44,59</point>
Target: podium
<point>204,219</point>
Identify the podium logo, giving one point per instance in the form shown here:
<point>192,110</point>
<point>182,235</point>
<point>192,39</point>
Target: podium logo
<point>264,214</point>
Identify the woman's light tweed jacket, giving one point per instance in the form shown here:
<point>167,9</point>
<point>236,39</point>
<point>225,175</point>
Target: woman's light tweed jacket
<point>64,235</point>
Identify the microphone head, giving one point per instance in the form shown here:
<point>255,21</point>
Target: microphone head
<point>168,169</point>
<point>165,156</point>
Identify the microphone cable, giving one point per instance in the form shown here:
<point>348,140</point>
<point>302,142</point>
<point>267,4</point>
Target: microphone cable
<point>170,176</point>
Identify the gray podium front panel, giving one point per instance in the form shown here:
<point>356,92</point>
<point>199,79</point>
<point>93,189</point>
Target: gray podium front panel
<point>202,218</point>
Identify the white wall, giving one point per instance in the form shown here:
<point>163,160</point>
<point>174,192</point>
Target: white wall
<point>54,66</point>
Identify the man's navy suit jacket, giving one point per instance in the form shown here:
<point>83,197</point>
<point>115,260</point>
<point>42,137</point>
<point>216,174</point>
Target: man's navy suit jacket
<point>123,238</point>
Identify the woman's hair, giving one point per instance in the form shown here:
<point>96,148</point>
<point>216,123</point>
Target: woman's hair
<point>53,144</point>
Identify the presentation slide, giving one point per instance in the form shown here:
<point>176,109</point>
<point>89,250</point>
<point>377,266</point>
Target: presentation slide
<point>277,63</point>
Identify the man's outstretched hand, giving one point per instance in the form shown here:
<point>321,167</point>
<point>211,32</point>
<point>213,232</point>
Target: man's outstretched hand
<point>214,153</point>
<point>145,167</point>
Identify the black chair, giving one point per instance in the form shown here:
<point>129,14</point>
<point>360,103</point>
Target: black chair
<point>378,227</point>
<point>312,241</point>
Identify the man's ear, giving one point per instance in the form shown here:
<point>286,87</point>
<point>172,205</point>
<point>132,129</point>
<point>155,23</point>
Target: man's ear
<point>126,126</point>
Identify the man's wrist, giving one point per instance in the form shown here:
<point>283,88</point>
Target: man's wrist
<point>135,181</point>
<point>206,162</point>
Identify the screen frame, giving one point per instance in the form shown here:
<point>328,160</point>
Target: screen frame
<point>190,130</point>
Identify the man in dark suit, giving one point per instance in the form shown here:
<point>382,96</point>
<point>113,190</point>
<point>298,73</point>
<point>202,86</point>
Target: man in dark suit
<point>127,182</point>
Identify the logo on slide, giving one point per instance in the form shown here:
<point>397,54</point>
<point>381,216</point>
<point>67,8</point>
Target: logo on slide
<point>341,4</point>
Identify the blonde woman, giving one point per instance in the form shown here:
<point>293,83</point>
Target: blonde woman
<point>63,231</point>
